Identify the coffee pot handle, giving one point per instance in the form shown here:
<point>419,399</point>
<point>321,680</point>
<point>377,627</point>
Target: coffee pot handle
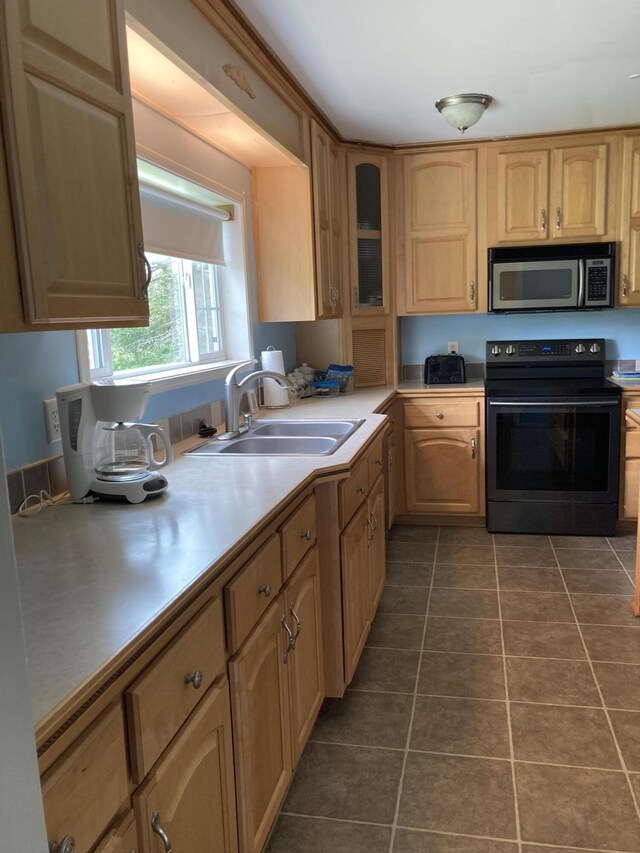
<point>147,430</point>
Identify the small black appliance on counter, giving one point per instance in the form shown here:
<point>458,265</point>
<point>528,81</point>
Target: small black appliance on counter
<point>444,370</point>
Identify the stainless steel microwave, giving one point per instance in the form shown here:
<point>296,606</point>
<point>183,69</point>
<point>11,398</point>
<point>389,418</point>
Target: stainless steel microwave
<point>572,277</point>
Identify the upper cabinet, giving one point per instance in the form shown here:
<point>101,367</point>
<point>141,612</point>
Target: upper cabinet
<point>368,197</point>
<point>68,136</point>
<point>629,293</point>
<point>550,192</point>
<point>440,232</point>
<point>327,161</point>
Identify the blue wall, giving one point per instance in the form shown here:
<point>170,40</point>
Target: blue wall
<point>35,364</point>
<point>423,336</point>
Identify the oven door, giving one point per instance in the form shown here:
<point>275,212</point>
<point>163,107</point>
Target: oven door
<point>536,285</point>
<point>563,449</point>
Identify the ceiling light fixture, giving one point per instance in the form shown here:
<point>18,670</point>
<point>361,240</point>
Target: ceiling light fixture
<point>463,111</point>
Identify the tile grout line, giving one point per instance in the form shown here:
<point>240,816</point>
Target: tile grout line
<point>605,710</point>
<point>396,813</point>
<point>624,568</point>
<point>512,759</point>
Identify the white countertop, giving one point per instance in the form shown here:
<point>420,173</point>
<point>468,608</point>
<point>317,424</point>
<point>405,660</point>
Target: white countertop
<point>93,576</point>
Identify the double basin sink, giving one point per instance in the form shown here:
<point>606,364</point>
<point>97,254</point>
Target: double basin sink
<point>283,438</point>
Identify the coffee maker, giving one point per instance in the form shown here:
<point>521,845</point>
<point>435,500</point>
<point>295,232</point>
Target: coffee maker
<point>108,453</point>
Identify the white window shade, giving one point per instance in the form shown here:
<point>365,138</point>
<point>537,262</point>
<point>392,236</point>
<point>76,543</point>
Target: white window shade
<point>176,226</point>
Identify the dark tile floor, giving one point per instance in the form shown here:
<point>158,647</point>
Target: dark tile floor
<point>496,707</point>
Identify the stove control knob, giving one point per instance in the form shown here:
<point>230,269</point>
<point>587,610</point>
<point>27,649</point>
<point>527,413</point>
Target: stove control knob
<point>580,349</point>
<point>496,350</point>
<point>510,350</point>
<point>594,348</point>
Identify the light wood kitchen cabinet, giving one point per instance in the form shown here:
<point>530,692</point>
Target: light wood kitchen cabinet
<point>440,229</point>
<point>630,223</point>
<point>629,462</point>
<point>378,557</point>
<point>328,164</point>
<point>97,762</point>
<point>369,269</point>
<point>68,134</point>
<point>443,456</point>
<point>355,543</point>
<point>261,727</point>
<point>306,674</point>
<point>550,192</point>
<point>190,794</point>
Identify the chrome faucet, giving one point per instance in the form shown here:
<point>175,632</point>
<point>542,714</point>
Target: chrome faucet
<point>233,394</point>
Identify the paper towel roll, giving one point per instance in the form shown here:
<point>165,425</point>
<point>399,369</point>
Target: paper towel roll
<point>275,397</point>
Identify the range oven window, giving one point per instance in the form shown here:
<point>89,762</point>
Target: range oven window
<point>558,450</point>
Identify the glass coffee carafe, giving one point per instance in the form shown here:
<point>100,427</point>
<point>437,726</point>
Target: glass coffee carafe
<point>128,451</point>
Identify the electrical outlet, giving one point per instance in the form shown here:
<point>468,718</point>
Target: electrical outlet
<point>52,420</point>
<point>452,347</point>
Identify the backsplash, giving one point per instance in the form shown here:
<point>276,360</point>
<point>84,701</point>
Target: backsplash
<point>49,474</point>
<point>475,370</point>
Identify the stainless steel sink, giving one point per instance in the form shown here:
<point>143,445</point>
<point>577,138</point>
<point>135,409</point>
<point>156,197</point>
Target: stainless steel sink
<point>283,438</point>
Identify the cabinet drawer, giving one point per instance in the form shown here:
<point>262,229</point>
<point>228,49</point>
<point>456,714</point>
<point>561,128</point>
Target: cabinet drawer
<point>353,490</point>
<point>252,591</point>
<point>87,786</point>
<point>298,534</point>
<point>441,413</point>
<point>160,701</point>
<point>375,462</point>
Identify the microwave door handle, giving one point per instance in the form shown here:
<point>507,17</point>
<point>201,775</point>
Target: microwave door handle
<point>581,293</point>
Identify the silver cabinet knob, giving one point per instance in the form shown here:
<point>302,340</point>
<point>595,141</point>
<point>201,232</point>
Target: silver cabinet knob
<point>496,350</point>
<point>440,415</point>
<point>67,845</point>
<point>306,535</point>
<point>594,348</point>
<point>510,350</point>
<point>266,590</point>
<point>195,679</point>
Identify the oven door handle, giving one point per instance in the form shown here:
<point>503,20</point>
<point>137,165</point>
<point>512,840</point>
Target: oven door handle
<point>581,293</point>
<point>549,404</point>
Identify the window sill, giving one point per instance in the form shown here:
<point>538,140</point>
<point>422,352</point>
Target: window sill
<point>182,377</point>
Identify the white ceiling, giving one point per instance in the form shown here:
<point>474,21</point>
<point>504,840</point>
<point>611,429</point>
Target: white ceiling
<point>376,67</point>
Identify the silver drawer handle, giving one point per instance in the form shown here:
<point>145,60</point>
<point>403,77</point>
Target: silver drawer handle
<point>543,222</point>
<point>472,292</point>
<point>266,590</point>
<point>67,845</point>
<point>440,415</point>
<point>285,654</point>
<point>473,448</point>
<point>195,679</point>
<point>156,826</point>
<point>625,286</point>
<point>558,218</point>
<point>306,535</point>
<point>294,639</point>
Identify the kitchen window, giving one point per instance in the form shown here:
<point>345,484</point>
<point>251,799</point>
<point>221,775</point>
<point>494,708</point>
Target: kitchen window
<point>183,225</point>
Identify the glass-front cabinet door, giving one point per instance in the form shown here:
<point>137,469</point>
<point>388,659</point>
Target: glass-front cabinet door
<point>368,234</point>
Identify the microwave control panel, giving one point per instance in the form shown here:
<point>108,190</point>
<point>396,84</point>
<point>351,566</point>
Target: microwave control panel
<point>598,285</point>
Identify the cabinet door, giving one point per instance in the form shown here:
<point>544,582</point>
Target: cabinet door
<point>190,795</point>
<point>377,549</point>
<point>440,232</point>
<point>443,471</point>
<point>337,185</point>
<point>391,480</point>
<point>325,176</point>
<point>368,199</point>
<point>355,544</point>
<point>523,195</point>
<point>579,196</point>
<point>262,736</point>
<point>71,160</point>
<point>630,226</point>
<point>306,674</point>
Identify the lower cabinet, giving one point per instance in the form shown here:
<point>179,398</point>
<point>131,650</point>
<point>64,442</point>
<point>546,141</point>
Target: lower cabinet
<point>444,455</point>
<point>355,543</point>
<point>188,801</point>
<point>378,557</point>
<point>277,690</point>
<point>629,462</point>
